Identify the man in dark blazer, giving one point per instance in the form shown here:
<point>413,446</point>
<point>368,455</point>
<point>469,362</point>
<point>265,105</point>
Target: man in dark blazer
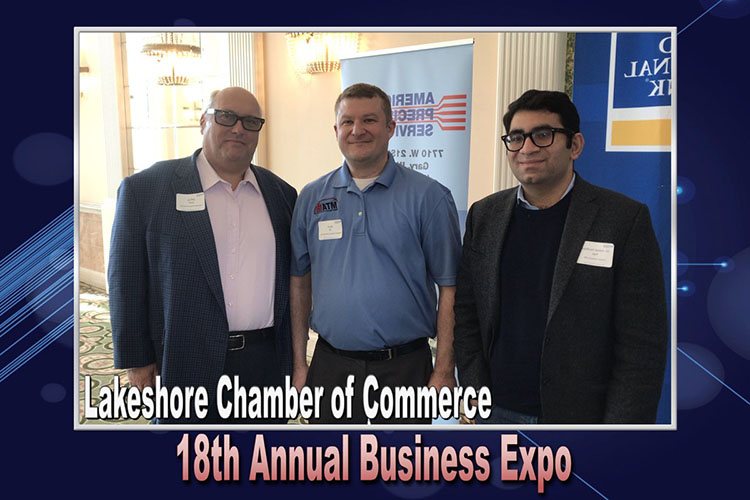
<point>199,262</point>
<point>560,302</point>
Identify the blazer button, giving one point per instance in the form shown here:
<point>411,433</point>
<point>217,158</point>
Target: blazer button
<point>545,381</point>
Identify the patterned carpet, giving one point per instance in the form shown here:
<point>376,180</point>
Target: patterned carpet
<point>96,358</point>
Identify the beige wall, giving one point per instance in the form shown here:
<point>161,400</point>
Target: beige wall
<point>91,255</point>
<point>300,140</point>
<point>92,174</point>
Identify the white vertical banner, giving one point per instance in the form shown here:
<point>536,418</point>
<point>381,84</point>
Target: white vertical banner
<point>430,91</point>
<point>639,107</point>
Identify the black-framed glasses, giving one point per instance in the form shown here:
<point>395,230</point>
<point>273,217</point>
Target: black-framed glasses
<point>542,137</point>
<point>228,119</point>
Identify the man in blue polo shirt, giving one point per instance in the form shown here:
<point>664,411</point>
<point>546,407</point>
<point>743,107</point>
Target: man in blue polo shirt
<point>370,241</point>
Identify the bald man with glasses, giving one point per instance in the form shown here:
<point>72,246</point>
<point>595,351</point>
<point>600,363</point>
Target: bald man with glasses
<point>199,263</point>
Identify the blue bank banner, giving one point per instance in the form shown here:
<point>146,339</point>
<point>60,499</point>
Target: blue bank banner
<point>639,112</point>
<point>430,91</point>
<point>642,172</point>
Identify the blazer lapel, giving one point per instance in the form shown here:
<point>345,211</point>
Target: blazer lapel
<point>198,226</point>
<point>273,203</point>
<point>581,214</point>
<point>492,248</point>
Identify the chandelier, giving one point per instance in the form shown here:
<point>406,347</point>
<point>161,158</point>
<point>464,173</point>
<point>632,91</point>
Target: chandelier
<point>320,52</point>
<point>175,55</point>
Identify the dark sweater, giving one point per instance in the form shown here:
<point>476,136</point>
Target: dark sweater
<point>526,269</point>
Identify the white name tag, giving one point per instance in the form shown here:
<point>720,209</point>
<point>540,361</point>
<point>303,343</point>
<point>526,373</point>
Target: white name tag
<point>597,254</point>
<point>330,229</point>
<point>191,202</point>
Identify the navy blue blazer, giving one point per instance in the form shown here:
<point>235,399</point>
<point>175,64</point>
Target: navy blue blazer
<point>166,301</point>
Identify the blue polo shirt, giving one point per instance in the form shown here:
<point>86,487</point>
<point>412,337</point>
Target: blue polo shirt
<point>375,255</point>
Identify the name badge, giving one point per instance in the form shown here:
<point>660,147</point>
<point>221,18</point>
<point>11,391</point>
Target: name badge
<point>595,253</point>
<point>330,229</point>
<point>191,202</point>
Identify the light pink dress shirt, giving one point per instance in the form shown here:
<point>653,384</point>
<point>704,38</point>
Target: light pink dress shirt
<point>245,247</point>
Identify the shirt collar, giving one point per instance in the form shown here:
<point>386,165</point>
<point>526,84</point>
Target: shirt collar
<point>343,177</point>
<point>209,177</point>
<point>521,199</point>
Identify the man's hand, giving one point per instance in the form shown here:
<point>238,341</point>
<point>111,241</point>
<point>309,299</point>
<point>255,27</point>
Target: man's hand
<point>143,376</point>
<point>440,379</point>
<point>463,419</point>
<point>299,376</point>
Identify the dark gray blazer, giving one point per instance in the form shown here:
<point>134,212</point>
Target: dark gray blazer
<point>165,295</point>
<point>605,346</point>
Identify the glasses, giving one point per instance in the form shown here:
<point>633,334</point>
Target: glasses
<point>541,137</point>
<point>228,119</point>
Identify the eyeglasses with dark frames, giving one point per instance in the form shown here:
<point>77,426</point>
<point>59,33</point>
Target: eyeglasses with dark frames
<point>542,137</point>
<point>228,119</point>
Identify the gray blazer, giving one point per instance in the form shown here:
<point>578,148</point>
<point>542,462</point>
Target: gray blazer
<point>166,301</point>
<point>604,348</point>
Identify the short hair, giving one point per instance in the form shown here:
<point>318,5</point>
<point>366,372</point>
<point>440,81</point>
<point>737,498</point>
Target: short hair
<point>212,98</point>
<point>365,91</point>
<point>212,101</point>
<point>546,100</point>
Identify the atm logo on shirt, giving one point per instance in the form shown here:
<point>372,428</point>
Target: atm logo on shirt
<point>326,205</point>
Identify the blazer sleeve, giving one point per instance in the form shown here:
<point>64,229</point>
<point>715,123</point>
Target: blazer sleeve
<point>473,370</point>
<point>640,327</point>
<point>128,283</point>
